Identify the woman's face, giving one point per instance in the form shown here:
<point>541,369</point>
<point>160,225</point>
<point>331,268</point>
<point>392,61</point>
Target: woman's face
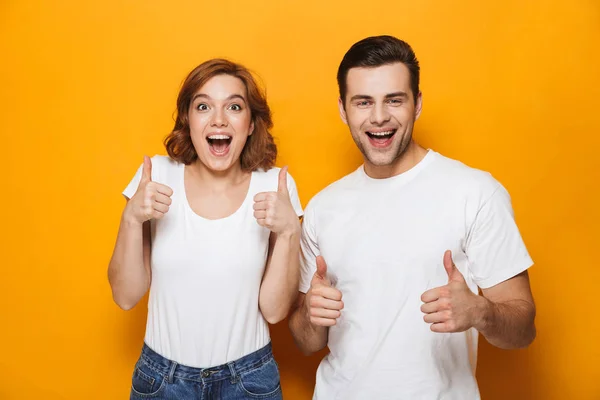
<point>220,121</point>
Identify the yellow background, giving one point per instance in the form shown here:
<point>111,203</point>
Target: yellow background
<point>88,87</point>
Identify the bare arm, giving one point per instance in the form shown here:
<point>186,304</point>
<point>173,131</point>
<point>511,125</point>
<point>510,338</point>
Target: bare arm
<point>308,337</point>
<point>274,211</point>
<point>316,311</point>
<point>504,315</point>
<point>508,313</point>
<point>129,271</point>
<point>280,280</point>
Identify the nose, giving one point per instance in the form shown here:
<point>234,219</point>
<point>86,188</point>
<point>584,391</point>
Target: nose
<point>219,118</point>
<point>379,115</point>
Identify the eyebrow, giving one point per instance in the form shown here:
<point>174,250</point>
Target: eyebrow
<point>397,94</point>
<point>205,96</point>
<point>387,96</point>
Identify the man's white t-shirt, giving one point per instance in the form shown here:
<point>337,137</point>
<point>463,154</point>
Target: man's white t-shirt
<point>383,241</point>
<point>206,274</point>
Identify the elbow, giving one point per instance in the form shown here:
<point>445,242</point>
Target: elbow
<point>307,351</point>
<point>274,320</point>
<point>524,340</point>
<point>125,306</point>
<point>275,317</point>
<point>274,313</point>
<point>123,302</point>
<point>532,333</point>
<point>531,330</point>
<point>524,343</point>
<point>124,296</point>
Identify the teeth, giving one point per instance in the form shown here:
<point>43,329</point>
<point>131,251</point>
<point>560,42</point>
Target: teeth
<point>381,133</point>
<point>219,137</point>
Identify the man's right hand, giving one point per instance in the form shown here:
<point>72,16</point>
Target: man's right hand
<point>323,303</point>
<point>151,200</point>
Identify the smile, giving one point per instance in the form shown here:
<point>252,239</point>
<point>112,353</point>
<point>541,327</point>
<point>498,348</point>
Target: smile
<point>381,138</point>
<point>219,144</point>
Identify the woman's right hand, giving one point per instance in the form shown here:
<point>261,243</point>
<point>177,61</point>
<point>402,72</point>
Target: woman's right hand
<point>151,199</point>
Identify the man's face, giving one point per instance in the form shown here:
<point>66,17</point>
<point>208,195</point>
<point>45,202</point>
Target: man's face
<point>380,111</point>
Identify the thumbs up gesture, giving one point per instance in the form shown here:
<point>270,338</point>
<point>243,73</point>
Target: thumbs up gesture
<point>453,307</point>
<point>274,210</point>
<point>151,200</point>
<point>323,303</point>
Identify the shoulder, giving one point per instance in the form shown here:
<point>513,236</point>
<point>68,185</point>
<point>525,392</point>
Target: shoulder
<point>164,169</point>
<point>332,193</point>
<point>165,162</point>
<point>458,179</point>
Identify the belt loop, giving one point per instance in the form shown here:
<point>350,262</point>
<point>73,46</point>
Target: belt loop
<point>234,377</point>
<point>172,371</point>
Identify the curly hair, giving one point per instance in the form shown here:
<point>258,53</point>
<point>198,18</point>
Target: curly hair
<point>259,151</point>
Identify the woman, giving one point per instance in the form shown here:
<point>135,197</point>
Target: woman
<point>213,231</point>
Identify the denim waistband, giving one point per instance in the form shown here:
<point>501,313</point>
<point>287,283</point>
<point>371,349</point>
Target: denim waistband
<point>229,370</point>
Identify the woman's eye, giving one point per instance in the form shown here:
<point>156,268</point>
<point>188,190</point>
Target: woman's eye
<point>235,107</point>
<point>202,107</point>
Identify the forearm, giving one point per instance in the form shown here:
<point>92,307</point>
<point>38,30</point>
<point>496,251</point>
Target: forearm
<point>308,337</point>
<point>280,283</point>
<point>128,277</point>
<point>507,325</point>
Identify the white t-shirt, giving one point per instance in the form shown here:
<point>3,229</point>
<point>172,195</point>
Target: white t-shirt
<point>383,241</point>
<point>206,274</point>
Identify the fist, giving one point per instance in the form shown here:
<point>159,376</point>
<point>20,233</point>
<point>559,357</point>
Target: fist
<point>274,210</point>
<point>151,200</point>
<point>323,303</point>
<point>452,307</point>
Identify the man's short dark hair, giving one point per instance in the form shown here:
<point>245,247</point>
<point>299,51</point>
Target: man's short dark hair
<point>376,51</point>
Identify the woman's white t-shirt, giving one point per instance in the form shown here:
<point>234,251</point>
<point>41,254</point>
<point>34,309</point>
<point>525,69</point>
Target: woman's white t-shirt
<point>206,274</point>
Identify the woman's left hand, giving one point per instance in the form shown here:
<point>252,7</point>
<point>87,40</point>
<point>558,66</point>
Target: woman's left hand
<point>274,210</point>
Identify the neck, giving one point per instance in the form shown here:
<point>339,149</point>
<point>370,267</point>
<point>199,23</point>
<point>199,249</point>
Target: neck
<point>216,180</point>
<point>411,156</point>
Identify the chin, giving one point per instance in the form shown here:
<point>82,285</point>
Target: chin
<point>379,162</point>
<point>220,166</point>
<point>379,159</point>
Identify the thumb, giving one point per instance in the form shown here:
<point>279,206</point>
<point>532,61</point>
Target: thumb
<point>282,186</point>
<point>147,170</point>
<point>321,268</point>
<point>453,272</point>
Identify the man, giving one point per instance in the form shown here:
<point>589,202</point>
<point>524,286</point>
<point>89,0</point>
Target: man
<point>395,253</point>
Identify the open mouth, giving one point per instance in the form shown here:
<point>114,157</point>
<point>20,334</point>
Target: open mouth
<point>381,138</point>
<point>219,144</point>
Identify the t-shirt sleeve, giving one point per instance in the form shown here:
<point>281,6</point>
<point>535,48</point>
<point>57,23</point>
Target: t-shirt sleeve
<point>133,184</point>
<point>309,250</point>
<point>495,248</point>
<point>294,198</point>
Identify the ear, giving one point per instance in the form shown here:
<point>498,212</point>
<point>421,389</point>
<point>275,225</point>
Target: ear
<point>419,106</point>
<point>251,128</point>
<point>342,111</point>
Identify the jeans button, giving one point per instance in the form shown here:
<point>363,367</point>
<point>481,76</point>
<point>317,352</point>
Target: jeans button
<point>205,374</point>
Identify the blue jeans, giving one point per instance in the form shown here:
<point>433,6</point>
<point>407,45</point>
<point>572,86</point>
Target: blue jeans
<point>254,376</point>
